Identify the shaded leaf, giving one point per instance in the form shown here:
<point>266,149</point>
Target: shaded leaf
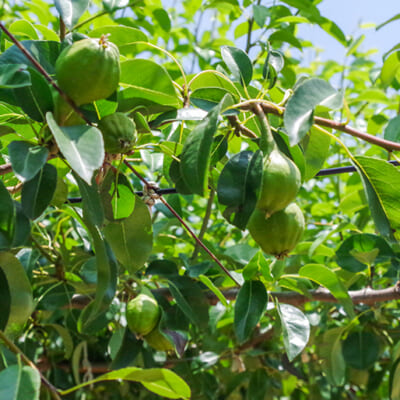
<point>361,349</point>
<point>35,100</point>
<point>333,362</point>
<point>195,156</point>
<point>238,185</point>
<point>26,159</point>
<point>250,306</point>
<point>45,52</point>
<point>132,238</point>
<point>14,76</point>
<point>359,251</point>
<point>7,217</point>
<point>37,193</point>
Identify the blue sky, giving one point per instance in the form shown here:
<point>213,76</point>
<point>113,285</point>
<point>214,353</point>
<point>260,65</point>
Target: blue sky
<point>350,15</point>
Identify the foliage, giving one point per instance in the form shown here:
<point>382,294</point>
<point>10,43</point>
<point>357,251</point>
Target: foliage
<point>211,87</point>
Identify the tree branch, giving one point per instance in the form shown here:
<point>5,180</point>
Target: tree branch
<point>184,224</point>
<point>364,296</point>
<point>386,144</point>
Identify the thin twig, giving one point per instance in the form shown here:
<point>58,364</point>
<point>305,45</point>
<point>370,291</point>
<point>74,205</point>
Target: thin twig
<point>279,111</point>
<point>189,230</point>
<point>5,169</point>
<point>234,121</point>
<point>204,225</point>
<point>16,350</point>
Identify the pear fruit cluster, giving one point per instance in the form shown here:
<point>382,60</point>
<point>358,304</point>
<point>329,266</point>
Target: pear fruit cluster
<point>277,223</point>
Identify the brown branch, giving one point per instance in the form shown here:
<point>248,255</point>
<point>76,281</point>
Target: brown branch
<point>386,144</point>
<point>15,189</point>
<point>204,224</point>
<point>5,169</point>
<point>184,224</point>
<point>364,296</point>
<point>234,121</point>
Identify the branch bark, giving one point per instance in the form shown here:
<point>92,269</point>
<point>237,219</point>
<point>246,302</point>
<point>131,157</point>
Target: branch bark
<point>364,296</point>
<point>386,144</point>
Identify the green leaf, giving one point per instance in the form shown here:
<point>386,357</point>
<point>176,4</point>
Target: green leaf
<point>394,379</point>
<point>260,14</point>
<point>81,145</point>
<point>111,5</point>
<point>392,130</point>
<point>295,329</point>
<point>283,35</point>
<point>195,156</point>
<point>361,349</point>
<point>71,10</point>
<point>381,181</point>
<point>213,79</point>
<point>160,381</point>
<point>359,251</point>
<point>238,185</point>
<point>394,18</point>
<point>316,150</point>
<point>14,76</point>
<point>121,36</point>
<point>132,238</point>
<point>330,350</point>
<point>5,300</point>
<point>238,63</point>
<point>65,335</point>
<point>162,17</point>
<point>390,68</point>
<point>19,382</point>
<point>129,349</point>
<point>258,385</point>
<point>91,319</point>
<point>21,304</point>
<point>214,289</point>
<point>37,193</point>
<point>91,202</point>
<point>7,217</point>
<point>117,196</point>
<point>148,87</point>
<point>35,100</point>
<point>299,113</point>
<point>190,299</point>
<point>25,28</point>
<point>45,52</point>
<point>250,306</point>
<point>26,159</point>
<point>327,278</point>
